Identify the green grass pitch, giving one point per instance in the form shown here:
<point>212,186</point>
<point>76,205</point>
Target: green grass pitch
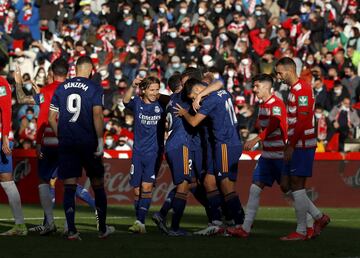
<point>340,239</point>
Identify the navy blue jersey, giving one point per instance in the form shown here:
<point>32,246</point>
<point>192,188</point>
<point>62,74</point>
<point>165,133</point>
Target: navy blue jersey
<point>178,134</point>
<point>74,99</point>
<point>218,106</point>
<point>149,125</point>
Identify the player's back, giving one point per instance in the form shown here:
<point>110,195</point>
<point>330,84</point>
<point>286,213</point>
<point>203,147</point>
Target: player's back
<point>5,107</point>
<point>178,134</point>
<point>219,107</point>
<point>75,99</point>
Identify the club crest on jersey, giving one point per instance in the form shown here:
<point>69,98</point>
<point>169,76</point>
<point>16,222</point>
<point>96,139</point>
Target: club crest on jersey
<point>157,109</point>
<point>2,91</point>
<point>276,111</point>
<point>303,101</point>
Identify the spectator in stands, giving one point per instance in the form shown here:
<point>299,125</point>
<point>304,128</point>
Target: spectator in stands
<point>344,120</point>
<point>321,95</point>
<point>351,81</point>
<point>322,123</point>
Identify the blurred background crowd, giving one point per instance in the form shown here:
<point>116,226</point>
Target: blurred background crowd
<point>233,39</point>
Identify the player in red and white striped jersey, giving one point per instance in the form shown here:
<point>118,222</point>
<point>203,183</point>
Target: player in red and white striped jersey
<point>272,120</point>
<point>6,178</point>
<point>299,151</point>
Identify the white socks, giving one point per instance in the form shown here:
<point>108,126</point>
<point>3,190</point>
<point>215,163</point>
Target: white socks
<point>251,207</point>
<point>46,202</point>
<point>301,204</point>
<point>14,200</point>
<point>313,210</point>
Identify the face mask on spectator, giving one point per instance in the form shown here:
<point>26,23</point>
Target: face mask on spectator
<point>129,22</point>
<point>210,63</point>
<point>162,10</point>
<point>103,73</point>
<point>41,74</point>
<point>310,62</point>
<point>21,59</point>
<point>171,51</point>
<point>118,76</point>
<point>338,91</point>
<point>126,11</point>
<point>183,10</point>
<point>303,9</point>
<point>176,65</point>
<point>318,115</point>
<point>218,9</point>
<point>223,36</point>
<point>73,26</point>
<point>328,6</point>
<point>143,10</point>
<point>108,127</point>
<point>147,23</point>
<point>231,73</point>
<point>109,142</point>
<point>258,13</point>
<point>192,48</point>
<point>31,126</point>
<point>207,47</point>
<point>318,89</point>
<point>149,37</point>
<point>86,25</point>
<point>87,12</point>
<point>117,64</point>
<point>28,86</point>
<point>11,14</point>
<point>329,62</point>
<point>13,102</point>
<point>29,116</point>
<point>344,108</point>
<point>186,25</point>
<point>216,76</point>
<point>173,34</point>
<point>132,50</point>
<point>202,11</point>
<point>238,7</point>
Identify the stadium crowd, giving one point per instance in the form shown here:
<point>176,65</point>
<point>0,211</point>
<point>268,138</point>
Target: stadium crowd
<point>233,39</point>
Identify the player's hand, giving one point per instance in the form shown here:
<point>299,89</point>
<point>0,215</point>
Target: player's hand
<point>180,111</point>
<point>251,143</point>
<point>18,76</point>
<point>39,154</point>
<point>336,125</point>
<point>6,145</point>
<point>136,82</point>
<point>288,152</point>
<point>100,148</point>
<point>196,103</point>
<point>35,87</point>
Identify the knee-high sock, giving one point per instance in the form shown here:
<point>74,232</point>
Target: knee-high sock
<point>69,205</point>
<point>234,207</point>
<point>178,206</point>
<point>301,204</point>
<point>46,202</point>
<point>101,206</point>
<point>168,203</point>
<point>309,217</point>
<point>252,207</point>
<point>14,201</point>
<point>214,199</point>
<point>144,205</point>
<point>136,204</point>
<point>199,193</point>
<point>313,210</point>
<point>85,196</point>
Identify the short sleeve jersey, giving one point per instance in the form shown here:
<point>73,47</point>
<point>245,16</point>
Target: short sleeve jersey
<point>149,125</point>
<point>74,99</point>
<point>218,106</point>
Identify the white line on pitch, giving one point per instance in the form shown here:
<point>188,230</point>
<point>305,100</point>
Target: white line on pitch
<point>40,218</point>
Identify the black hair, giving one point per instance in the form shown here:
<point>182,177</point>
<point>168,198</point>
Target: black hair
<point>189,84</point>
<point>84,60</point>
<point>192,72</point>
<point>174,82</point>
<point>286,61</point>
<point>60,67</point>
<point>263,77</point>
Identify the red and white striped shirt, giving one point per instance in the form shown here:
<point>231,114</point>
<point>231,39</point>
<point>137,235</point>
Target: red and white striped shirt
<point>301,124</point>
<point>272,120</point>
<point>46,135</point>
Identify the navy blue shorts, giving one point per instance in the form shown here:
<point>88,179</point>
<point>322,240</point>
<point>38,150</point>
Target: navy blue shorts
<point>180,164</point>
<point>48,165</point>
<point>6,162</point>
<point>73,158</point>
<point>268,170</point>
<point>196,163</point>
<point>301,163</point>
<point>226,161</point>
<point>209,159</point>
<point>144,168</point>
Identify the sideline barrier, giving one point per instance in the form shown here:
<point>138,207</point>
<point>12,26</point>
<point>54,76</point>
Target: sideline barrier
<point>335,181</point>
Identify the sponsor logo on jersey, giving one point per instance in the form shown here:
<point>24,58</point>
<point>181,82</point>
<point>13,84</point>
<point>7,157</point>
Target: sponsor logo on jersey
<point>276,111</point>
<point>303,101</point>
<point>2,91</point>
<point>152,177</point>
<point>157,109</point>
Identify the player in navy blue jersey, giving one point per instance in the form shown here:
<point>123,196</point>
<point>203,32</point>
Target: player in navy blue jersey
<point>149,129</point>
<point>76,116</point>
<point>218,107</point>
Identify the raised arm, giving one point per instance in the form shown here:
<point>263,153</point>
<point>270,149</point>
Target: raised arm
<point>192,120</point>
<point>214,86</point>
<point>20,95</point>
<point>130,91</point>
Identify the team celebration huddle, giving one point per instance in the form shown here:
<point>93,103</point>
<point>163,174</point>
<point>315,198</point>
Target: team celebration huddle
<point>195,129</point>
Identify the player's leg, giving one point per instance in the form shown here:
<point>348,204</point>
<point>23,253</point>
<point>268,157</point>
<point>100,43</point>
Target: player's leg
<point>84,195</point>
<point>9,186</point>
<point>165,208</point>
